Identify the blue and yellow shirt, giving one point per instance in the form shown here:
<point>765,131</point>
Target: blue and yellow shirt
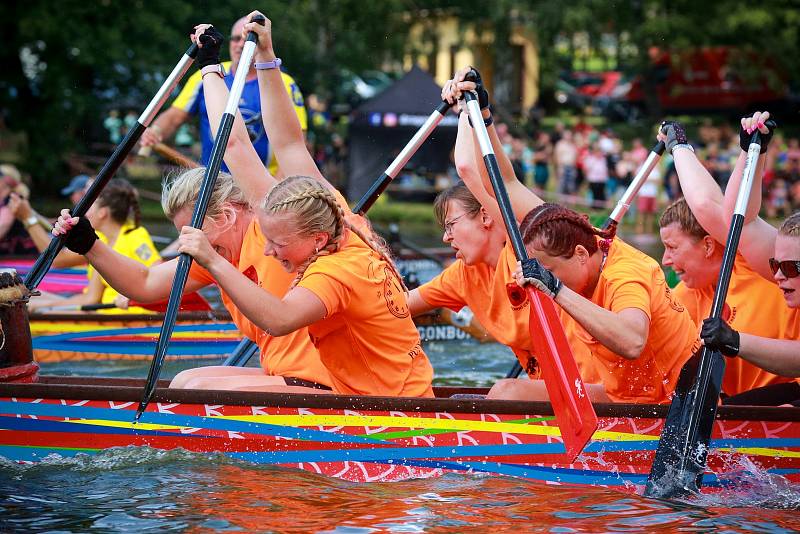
<point>191,101</point>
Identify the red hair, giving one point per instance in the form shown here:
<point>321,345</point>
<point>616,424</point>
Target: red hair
<point>558,230</point>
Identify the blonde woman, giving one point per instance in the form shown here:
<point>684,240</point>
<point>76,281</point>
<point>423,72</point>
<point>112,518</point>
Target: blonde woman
<point>347,292</point>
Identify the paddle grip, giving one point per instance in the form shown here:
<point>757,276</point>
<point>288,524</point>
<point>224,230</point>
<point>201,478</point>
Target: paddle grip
<point>258,19</point>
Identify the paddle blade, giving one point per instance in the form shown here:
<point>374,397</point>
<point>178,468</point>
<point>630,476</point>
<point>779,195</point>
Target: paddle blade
<point>680,459</point>
<point>189,302</point>
<point>574,412</point>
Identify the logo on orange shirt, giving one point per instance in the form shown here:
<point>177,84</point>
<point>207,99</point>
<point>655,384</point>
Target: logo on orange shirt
<point>394,295</point>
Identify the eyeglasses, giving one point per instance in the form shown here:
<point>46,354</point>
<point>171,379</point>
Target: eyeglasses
<point>448,226</point>
<point>789,268</point>
<point>236,38</point>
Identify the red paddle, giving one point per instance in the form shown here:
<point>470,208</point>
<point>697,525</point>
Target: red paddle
<point>574,412</point>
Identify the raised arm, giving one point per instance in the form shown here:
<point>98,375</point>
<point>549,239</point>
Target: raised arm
<point>757,242</point>
<point>748,126</point>
<point>699,188</point>
<point>240,155</point>
<point>523,200</point>
<point>469,171</point>
<point>280,120</point>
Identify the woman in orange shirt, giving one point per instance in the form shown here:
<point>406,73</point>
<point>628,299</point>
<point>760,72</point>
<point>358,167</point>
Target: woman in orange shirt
<point>347,290</point>
<point>625,328</point>
<point>774,253</point>
<point>232,229</point>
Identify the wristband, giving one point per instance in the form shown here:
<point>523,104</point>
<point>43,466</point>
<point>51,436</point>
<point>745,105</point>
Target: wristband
<point>682,145</point>
<point>216,69</point>
<point>31,221</point>
<point>267,65</point>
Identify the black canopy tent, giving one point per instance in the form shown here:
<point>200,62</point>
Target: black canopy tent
<point>383,125</point>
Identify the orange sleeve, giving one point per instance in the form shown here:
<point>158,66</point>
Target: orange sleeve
<point>333,293</point>
<point>627,287</point>
<point>445,290</point>
<point>199,274</point>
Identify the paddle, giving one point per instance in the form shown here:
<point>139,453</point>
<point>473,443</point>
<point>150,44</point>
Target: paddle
<point>245,350</point>
<point>633,189</point>
<point>200,208</point>
<point>380,185</point>
<point>45,260</point>
<point>680,459</point>
<point>620,209</point>
<point>573,410</point>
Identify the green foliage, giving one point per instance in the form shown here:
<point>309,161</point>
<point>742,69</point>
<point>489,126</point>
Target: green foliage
<point>68,63</point>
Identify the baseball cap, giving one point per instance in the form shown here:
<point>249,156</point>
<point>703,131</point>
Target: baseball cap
<point>78,183</point>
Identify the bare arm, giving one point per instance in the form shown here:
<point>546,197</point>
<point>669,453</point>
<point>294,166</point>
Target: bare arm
<point>778,356</point>
<point>624,332</point>
<point>6,220</point>
<point>280,120</point>
<point>164,126</point>
<point>133,279</point>
<point>702,193</point>
<point>757,242</point>
<point>417,304</point>
<point>467,165</point>
<point>298,308</point>
<point>240,155</point>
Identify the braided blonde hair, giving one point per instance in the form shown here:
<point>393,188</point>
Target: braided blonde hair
<point>180,190</point>
<point>316,209</point>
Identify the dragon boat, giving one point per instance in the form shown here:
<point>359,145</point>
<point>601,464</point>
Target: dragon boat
<point>359,438</point>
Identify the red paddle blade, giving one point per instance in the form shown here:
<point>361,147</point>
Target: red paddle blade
<point>189,302</point>
<point>574,412</point>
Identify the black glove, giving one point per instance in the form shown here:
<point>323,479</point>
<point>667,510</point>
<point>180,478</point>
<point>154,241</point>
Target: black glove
<point>480,90</point>
<point>744,137</point>
<point>541,278</point>
<point>675,133</point>
<point>717,335</point>
<point>208,54</point>
<point>81,237</point>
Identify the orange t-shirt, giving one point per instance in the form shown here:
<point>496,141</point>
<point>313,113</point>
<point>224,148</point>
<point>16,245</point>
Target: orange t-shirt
<point>367,339</point>
<point>753,305</point>
<point>292,355</point>
<point>483,288</point>
<point>632,279</point>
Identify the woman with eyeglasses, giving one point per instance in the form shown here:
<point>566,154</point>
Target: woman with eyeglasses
<point>774,253</point>
<point>627,334</point>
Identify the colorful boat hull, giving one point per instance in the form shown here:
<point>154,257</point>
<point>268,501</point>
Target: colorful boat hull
<point>96,336</point>
<point>378,439</point>
<point>60,337</point>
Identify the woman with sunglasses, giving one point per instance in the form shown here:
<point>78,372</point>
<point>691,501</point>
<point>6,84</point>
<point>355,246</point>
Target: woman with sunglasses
<point>775,254</point>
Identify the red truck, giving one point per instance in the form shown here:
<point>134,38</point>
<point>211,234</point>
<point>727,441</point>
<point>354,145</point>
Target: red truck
<point>716,79</point>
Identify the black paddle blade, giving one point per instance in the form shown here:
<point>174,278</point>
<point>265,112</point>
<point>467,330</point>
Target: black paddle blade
<point>680,460</point>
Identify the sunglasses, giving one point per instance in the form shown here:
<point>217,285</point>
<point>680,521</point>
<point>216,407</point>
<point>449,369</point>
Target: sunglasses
<point>789,268</point>
<point>236,38</point>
